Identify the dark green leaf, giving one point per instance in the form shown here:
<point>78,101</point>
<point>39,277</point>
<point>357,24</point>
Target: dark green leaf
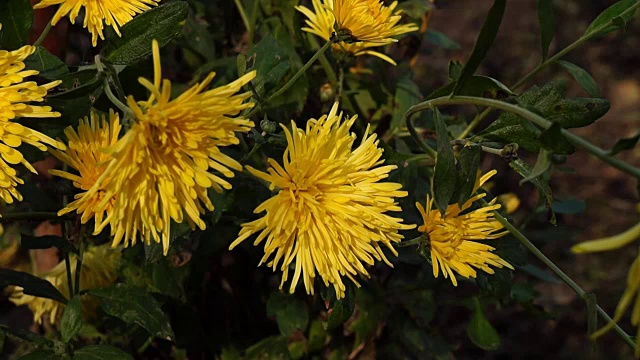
<point>569,206</point>
<point>25,335</point>
<point>100,352</point>
<point>291,313</point>
<point>577,112</point>
<point>480,330</point>
<point>440,40</point>
<point>604,24</point>
<point>47,241</point>
<point>483,43</point>
<point>525,170</point>
<point>539,273</point>
<point>592,313</point>
<point>271,62</point>
<point>455,67</point>
<point>48,65</point>
<point>582,77</point>
<point>552,139</point>
<point>523,293</point>
<point>197,37</point>
<point>273,347</point>
<point>624,144</point>
<point>241,62</point>
<point>40,355</point>
<point>71,321</point>
<point>477,85</point>
<point>497,284</point>
<point>512,128</point>
<point>340,313</point>
<point>317,336</point>
<point>153,251</point>
<point>162,23</point>
<point>16,17</point>
<point>543,163</point>
<point>32,285</point>
<point>135,306</point>
<point>414,9</point>
<point>81,90</point>
<point>407,95</point>
<point>547,25</point>
<point>444,180</point>
<point>468,161</point>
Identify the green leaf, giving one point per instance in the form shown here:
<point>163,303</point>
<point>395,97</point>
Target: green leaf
<point>440,40</point>
<point>480,330</point>
<point>444,179</point>
<point>48,65</point>
<point>599,25</point>
<point>25,335</point>
<point>497,284</point>
<point>455,68</point>
<point>271,63</point>
<point>100,352</point>
<point>624,144</point>
<point>568,206</point>
<point>577,112</point>
<point>541,184</point>
<point>32,285</point>
<point>543,163</point>
<point>477,85</point>
<point>16,17</point>
<point>40,355</point>
<point>162,23</point>
<point>582,77</point>
<point>135,306</point>
<point>273,347</point>
<point>547,25</point>
<point>340,312</point>
<point>71,321</point>
<point>317,336</point>
<point>469,162</point>
<point>80,91</point>
<point>153,251</point>
<point>407,95</point>
<point>196,36</point>
<point>291,313</point>
<point>592,313</point>
<point>47,241</point>
<point>552,139</point>
<point>483,43</point>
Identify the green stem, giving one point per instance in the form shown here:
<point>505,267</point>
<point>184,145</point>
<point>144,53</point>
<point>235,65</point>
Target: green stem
<point>67,264</point>
<point>567,280</point>
<point>254,16</point>
<point>113,74</point>
<point>415,241</point>
<point>414,134</point>
<point>33,216</point>
<point>326,65</point>
<point>78,270</point>
<point>534,118</point>
<point>474,123</point>
<point>243,15</point>
<point>128,114</point>
<point>43,35</point>
<point>248,156</point>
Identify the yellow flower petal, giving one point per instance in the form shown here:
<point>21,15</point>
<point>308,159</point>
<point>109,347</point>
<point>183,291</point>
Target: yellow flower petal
<point>608,243</point>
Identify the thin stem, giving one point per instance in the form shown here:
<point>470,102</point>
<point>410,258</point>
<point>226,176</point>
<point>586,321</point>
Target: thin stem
<point>113,74</point>
<point>414,134</point>
<point>67,264</point>
<point>326,65</point>
<point>33,216</point>
<point>254,16</point>
<point>474,123</point>
<point>340,82</point>
<point>78,269</point>
<point>415,241</point>
<point>43,35</point>
<point>248,156</point>
<point>567,280</point>
<point>114,99</point>
<point>243,15</point>
<point>534,118</point>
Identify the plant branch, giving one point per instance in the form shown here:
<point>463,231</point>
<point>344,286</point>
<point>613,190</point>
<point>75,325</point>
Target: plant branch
<point>414,134</point>
<point>67,264</point>
<point>243,15</point>
<point>44,34</point>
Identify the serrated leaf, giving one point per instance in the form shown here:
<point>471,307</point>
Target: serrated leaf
<point>599,25</point>
<point>31,284</point>
<point>483,43</point>
<point>582,77</point>
<point>480,330</point>
<point>444,179</point>
<point>16,17</point>
<point>71,321</point>
<point>135,306</point>
<point>48,65</point>
<point>624,144</point>
<point>547,25</point>
<point>47,241</point>
<point>100,352</point>
<point>162,23</point>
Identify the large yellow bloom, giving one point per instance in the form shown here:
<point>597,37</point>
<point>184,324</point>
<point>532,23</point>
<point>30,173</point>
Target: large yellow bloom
<point>85,154</point>
<point>99,269</point>
<point>329,213</point>
<point>369,21</point>
<point>633,278</point>
<point>16,96</point>
<point>453,237</point>
<point>113,13</point>
<point>160,166</point>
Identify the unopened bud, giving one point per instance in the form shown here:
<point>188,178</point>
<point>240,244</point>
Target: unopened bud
<point>326,93</point>
<point>268,126</point>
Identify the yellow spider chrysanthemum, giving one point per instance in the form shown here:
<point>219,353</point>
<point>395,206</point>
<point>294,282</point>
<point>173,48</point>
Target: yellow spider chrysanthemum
<point>453,238</point>
<point>85,154</point>
<point>99,269</point>
<point>373,23</point>
<point>160,167</point>
<point>329,214</point>
<point>16,96</point>
<point>633,278</point>
<point>113,13</point>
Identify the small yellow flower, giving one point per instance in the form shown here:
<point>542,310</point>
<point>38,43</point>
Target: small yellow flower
<point>85,154</point>
<point>373,23</point>
<point>453,238</point>
<point>97,13</point>
<point>99,269</point>
<point>329,213</point>
<point>16,96</point>
<point>160,167</point>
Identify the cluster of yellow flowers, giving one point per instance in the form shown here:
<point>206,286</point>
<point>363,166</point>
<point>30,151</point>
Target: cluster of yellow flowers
<point>329,215</point>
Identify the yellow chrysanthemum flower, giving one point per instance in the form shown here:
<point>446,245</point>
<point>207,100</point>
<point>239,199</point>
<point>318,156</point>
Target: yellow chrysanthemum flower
<point>329,214</point>
<point>16,96</point>
<point>160,166</point>
<point>369,21</point>
<point>99,269</point>
<point>453,237</point>
<point>633,278</point>
<point>113,13</point>
<point>85,154</point>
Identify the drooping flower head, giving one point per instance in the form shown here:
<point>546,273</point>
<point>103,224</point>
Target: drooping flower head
<point>368,21</point>
<point>85,153</point>
<point>98,13</point>
<point>454,237</point>
<point>329,215</point>
<point>16,96</point>
<point>160,167</point>
<point>633,278</point>
<point>99,269</point>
